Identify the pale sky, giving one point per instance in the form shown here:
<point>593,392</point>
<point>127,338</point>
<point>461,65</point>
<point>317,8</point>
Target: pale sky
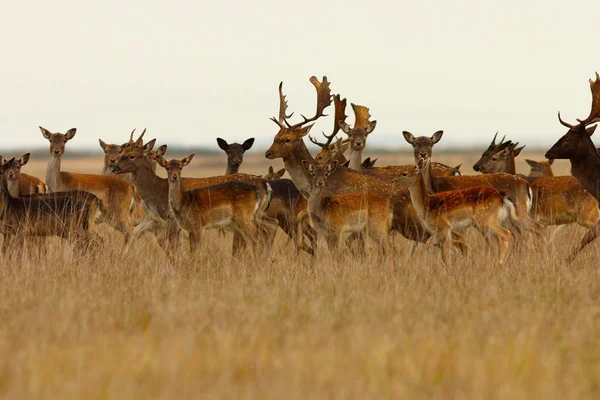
<point>192,71</point>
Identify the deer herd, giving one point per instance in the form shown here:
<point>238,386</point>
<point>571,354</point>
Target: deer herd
<point>336,195</point>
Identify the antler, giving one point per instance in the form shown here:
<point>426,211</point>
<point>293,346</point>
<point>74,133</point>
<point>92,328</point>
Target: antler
<point>131,136</point>
<point>323,101</point>
<point>361,114</point>
<point>340,115</point>
<point>283,105</point>
<point>595,111</point>
<point>563,122</point>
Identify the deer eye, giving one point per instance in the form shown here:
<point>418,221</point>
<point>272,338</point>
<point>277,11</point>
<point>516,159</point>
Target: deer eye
<point>132,157</point>
<point>287,140</point>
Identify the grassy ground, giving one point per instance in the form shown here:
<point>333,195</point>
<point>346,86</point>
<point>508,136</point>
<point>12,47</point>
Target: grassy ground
<point>135,325</point>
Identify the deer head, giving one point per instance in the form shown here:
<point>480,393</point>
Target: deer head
<point>111,152</point>
<point>502,161</point>
<point>235,151</point>
<point>289,137</point>
<point>135,155</point>
<point>13,172</point>
<point>577,141</point>
<point>5,166</point>
<point>319,173</point>
<point>272,175</point>
<point>362,128</point>
<point>58,140</point>
<point>540,169</point>
<point>333,152</point>
<point>492,149</point>
<point>422,145</point>
<point>174,167</point>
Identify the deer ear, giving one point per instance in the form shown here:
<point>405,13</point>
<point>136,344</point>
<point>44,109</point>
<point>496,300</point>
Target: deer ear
<point>370,127</point>
<point>518,151</point>
<point>304,130</point>
<point>344,127</point>
<point>161,161</point>
<point>409,137</point>
<point>161,150</point>
<point>4,167</point>
<point>102,144</point>
<point>24,159</point>
<point>185,161</point>
<point>308,166</point>
<point>532,163</point>
<point>591,130</point>
<point>70,133</point>
<point>281,172</point>
<point>271,170</point>
<point>437,136</point>
<point>46,133</point>
<point>331,166</point>
<point>346,164</point>
<point>248,144</point>
<point>150,145</point>
<point>222,144</point>
<point>2,160</point>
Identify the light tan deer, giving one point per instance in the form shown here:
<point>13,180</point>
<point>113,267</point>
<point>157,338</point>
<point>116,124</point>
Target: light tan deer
<point>539,169</point>
<point>113,151</point>
<point>422,145</point>
<point>360,213</point>
<point>119,197</point>
<point>358,134</point>
<point>67,215</point>
<point>19,184</point>
<point>482,207</point>
<point>234,205</point>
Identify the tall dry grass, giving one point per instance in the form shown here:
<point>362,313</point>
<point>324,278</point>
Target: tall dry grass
<point>135,325</point>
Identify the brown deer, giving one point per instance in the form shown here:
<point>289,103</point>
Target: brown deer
<point>119,197</point>
<point>482,207</point>
<point>66,215</point>
<point>234,205</point>
<point>539,169</point>
<point>19,184</point>
<point>492,149</point>
<point>289,145</point>
<point>422,145</point>
<point>557,200</point>
<point>360,213</point>
<point>113,151</point>
<point>235,154</point>
<point>357,135</point>
<point>577,146</point>
<point>272,175</point>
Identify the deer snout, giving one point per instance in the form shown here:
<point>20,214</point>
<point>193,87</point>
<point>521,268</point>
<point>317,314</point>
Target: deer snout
<point>11,175</point>
<point>112,161</point>
<point>423,155</point>
<point>269,154</point>
<point>235,162</point>
<point>56,151</point>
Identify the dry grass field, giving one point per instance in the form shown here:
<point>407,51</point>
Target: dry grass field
<point>136,325</point>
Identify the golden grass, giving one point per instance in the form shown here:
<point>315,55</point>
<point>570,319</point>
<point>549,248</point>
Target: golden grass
<point>134,325</point>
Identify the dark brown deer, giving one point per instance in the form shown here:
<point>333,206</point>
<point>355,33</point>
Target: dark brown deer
<point>235,153</point>
<point>357,135</point>
<point>289,145</point>
<point>19,184</point>
<point>422,145</point>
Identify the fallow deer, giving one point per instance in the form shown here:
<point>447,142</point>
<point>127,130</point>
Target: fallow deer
<point>289,145</point>
<point>482,207</point>
<point>119,197</point>
<point>19,184</point>
<point>358,134</point>
<point>539,169</point>
<point>492,149</point>
<point>360,213</point>
<point>234,205</point>
<point>557,200</point>
<point>272,175</point>
<point>422,145</point>
<point>66,215</point>
<point>235,154</point>
<point>113,151</point>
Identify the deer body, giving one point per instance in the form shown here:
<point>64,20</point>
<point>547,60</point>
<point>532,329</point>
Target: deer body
<point>331,216</point>
<point>482,207</point>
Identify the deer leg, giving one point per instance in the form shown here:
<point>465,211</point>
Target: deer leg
<point>502,238</point>
<point>589,237</point>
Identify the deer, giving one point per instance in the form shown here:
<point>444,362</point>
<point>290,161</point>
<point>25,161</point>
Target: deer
<point>358,134</point>
<point>113,151</point>
<point>19,184</point>
<point>234,205</point>
<point>539,169</point>
<point>289,145</point>
<point>272,175</point>
<point>482,207</point>
<point>154,190</point>
<point>361,212</point>
<point>235,154</point>
<point>557,200</point>
<point>492,149</point>
<point>120,198</point>
<point>67,215</point>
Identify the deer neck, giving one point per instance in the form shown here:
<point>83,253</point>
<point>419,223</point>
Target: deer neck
<point>13,187</point>
<point>419,196</point>
<point>152,188</point>
<point>355,158</point>
<point>53,179</point>
<point>231,170</point>
<point>175,195</point>
<point>293,164</point>
<point>315,202</point>
<point>586,168</point>
<point>427,180</point>
<point>107,170</point>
